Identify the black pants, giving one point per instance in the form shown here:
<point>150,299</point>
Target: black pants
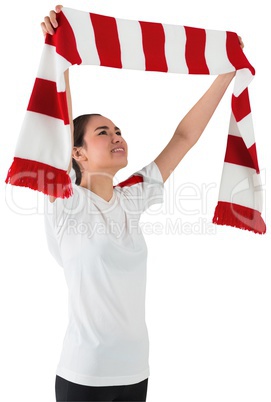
<point>67,391</point>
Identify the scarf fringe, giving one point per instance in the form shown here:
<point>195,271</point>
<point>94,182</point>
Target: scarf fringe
<point>239,216</point>
<point>39,176</point>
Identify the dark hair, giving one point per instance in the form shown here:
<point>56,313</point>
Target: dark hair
<point>79,129</point>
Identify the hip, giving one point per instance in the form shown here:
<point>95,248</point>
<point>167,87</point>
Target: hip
<point>67,391</point>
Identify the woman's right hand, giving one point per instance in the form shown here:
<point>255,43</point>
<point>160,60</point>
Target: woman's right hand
<point>50,22</point>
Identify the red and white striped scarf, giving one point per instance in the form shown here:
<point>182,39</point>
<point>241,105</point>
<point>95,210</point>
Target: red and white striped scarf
<point>44,146</point>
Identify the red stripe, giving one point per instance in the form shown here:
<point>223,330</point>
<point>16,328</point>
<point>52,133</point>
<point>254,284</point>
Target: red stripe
<point>131,181</point>
<point>239,216</point>
<point>241,105</point>
<point>153,40</point>
<point>39,176</point>
<point>237,152</point>
<point>64,40</point>
<point>107,40</point>
<point>46,100</point>
<point>195,51</point>
<point>253,154</point>
<point>235,53</point>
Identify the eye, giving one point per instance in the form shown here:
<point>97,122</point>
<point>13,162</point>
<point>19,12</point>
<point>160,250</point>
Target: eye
<point>102,132</point>
<point>118,132</point>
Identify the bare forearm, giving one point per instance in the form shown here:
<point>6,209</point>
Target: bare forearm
<point>193,124</point>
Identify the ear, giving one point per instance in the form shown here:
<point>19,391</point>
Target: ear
<point>78,154</point>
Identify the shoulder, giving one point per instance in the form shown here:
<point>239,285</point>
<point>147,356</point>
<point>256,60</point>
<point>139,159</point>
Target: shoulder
<point>67,206</point>
<point>143,188</point>
<point>147,174</point>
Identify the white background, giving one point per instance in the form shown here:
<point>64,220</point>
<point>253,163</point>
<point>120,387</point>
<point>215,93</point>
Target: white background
<point>208,295</point>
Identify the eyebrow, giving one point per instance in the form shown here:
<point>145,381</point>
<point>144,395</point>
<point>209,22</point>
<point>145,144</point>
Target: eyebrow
<point>106,128</point>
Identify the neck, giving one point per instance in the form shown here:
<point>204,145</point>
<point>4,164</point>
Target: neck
<point>99,183</point>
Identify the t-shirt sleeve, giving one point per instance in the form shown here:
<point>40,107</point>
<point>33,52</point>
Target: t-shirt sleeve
<point>144,188</point>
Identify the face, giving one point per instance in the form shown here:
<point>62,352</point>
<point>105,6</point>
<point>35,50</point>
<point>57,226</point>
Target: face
<point>105,149</point>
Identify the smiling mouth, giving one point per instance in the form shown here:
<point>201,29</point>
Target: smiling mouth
<point>118,150</point>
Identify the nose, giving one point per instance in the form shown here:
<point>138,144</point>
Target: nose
<point>116,138</point>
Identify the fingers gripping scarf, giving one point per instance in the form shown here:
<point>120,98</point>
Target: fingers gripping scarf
<point>91,39</point>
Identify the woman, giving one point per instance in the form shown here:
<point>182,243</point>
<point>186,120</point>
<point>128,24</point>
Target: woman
<point>95,236</point>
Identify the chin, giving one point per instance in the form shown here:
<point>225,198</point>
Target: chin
<point>122,164</point>
<point>125,163</point>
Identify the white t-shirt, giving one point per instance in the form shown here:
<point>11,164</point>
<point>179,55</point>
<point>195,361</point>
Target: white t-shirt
<point>103,252</point>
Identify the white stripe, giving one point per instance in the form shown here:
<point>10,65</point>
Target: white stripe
<point>241,185</point>
<point>84,34</point>
<point>246,130</point>
<point>130,37</point>
<point>216,53</point>
<point>52,67</point>
<point>38,129</point>
<point>233,128</point>
<point>242,80</point>
<point>175,48</point>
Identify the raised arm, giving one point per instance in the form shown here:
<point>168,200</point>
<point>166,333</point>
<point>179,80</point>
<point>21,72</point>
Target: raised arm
<point>192,126</point>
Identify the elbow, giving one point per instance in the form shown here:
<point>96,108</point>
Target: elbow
<point>189,137</point>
